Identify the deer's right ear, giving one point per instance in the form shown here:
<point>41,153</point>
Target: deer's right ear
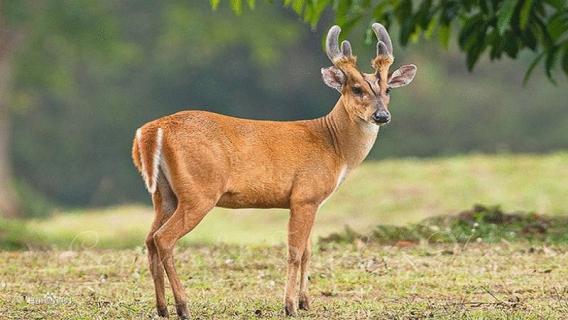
<point>333,77</point>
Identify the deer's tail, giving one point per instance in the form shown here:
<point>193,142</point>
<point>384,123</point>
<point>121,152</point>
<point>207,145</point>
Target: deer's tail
<point>147,153</point>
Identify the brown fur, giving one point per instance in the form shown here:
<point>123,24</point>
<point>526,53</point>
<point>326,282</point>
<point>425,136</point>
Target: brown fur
<point>209,160</point>
<point>382,64</point>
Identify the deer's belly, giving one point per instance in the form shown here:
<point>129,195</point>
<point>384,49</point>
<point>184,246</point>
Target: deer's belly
<point>252,199</point>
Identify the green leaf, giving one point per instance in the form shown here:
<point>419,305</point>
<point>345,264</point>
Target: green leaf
<point>551,57</point>
<point>511,47</point>
<point>475,50</point>
<point>557,4</point>
<point>297,6</point>
<point>444,35</point>
<point>525,14</point>
<point>432,26</point>
<point>237,6</point>
<point>565,59</point>
<point>558,25</point>
<point>314,10</point>
<point>529,39</point>
<point>342,10</point>
<point>214,4</point>
<point>533,64</point>
<point>423,16</point>
<point>470,27</point>
<point>504,15</point>
<point>251,4</point>
<point>496,44</point>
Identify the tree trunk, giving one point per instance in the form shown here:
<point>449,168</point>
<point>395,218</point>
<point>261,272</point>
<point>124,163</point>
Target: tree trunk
<point>9,203</point>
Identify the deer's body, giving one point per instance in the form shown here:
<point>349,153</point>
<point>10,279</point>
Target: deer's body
<point>193,161</point>
<point>254,163</point>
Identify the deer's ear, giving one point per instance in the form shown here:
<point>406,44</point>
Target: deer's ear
<point>333,77</point>
<point>402,76</point>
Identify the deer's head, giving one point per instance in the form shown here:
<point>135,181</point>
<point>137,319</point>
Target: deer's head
<point>365,95</point>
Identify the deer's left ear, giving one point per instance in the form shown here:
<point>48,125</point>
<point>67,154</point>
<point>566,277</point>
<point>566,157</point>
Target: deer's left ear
<point>402,76</point>
<point>333,77</point>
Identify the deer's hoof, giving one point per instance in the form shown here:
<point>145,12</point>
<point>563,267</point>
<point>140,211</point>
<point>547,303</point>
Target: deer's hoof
<point>163,312</point>
<point>182,312</point>
<point>304,302</point>
<point>290,309</point>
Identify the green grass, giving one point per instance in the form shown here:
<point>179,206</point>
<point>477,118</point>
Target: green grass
<point>479,224</point>
<point>474,281</point>
<point>393,192</point>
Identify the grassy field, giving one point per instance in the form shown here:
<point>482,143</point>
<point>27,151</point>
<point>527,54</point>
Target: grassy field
<point>480,264</point>
<point>395,192</point>
<point>476,281</point>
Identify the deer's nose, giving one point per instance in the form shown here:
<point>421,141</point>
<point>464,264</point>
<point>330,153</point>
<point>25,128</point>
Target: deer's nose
<point>381,117</point>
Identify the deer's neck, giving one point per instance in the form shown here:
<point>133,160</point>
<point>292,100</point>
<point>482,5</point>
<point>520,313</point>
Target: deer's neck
<point>352,138</point>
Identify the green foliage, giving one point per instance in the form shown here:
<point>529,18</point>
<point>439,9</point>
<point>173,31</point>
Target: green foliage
<point>56,32</point>
<point>500,27</point>
<point>34,203</point>
<point>481,224</point>
<point>15,235</point>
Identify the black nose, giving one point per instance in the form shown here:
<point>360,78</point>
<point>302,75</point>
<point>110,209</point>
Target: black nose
<point>381,117</point>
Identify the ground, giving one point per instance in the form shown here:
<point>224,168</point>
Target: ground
<point>362,281</point>
<point>480,264</point>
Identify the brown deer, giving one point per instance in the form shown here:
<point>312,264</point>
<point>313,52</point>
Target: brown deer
<point>193,161</point>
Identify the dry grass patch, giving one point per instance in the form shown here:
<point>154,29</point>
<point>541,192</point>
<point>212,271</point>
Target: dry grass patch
<point>363,281</point>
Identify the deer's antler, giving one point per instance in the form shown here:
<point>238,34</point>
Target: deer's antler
<point>332,46</point>
<point>385,56</point>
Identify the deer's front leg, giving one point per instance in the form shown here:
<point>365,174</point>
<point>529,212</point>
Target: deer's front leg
<point>299,228</point>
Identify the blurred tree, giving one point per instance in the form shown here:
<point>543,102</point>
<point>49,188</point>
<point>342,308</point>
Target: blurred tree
<point>502,27</point>
<point>38,27</point>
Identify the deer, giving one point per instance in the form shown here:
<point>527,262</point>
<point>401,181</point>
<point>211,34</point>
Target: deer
<point>193,161</point>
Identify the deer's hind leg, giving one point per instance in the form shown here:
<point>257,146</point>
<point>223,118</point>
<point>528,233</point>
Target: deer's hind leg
<point>165,203</point>
<point>197,195</point>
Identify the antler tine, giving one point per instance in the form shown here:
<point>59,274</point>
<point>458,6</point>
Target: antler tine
<point>384,46</point>
<point>346,48</point>
<point>332,43</point>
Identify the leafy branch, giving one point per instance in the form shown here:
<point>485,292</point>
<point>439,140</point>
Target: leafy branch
<point>499,27</point>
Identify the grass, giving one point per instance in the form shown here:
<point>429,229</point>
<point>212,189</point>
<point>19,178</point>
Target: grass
<point>362,281</point>
<point>392,192</point>
<point>410,252</point>
<point>479,224</point>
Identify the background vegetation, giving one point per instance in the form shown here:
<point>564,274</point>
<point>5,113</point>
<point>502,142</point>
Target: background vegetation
<point>86,75</point>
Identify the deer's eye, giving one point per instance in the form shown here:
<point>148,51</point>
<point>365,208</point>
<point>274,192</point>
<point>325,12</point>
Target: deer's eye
<point>357,91</point>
